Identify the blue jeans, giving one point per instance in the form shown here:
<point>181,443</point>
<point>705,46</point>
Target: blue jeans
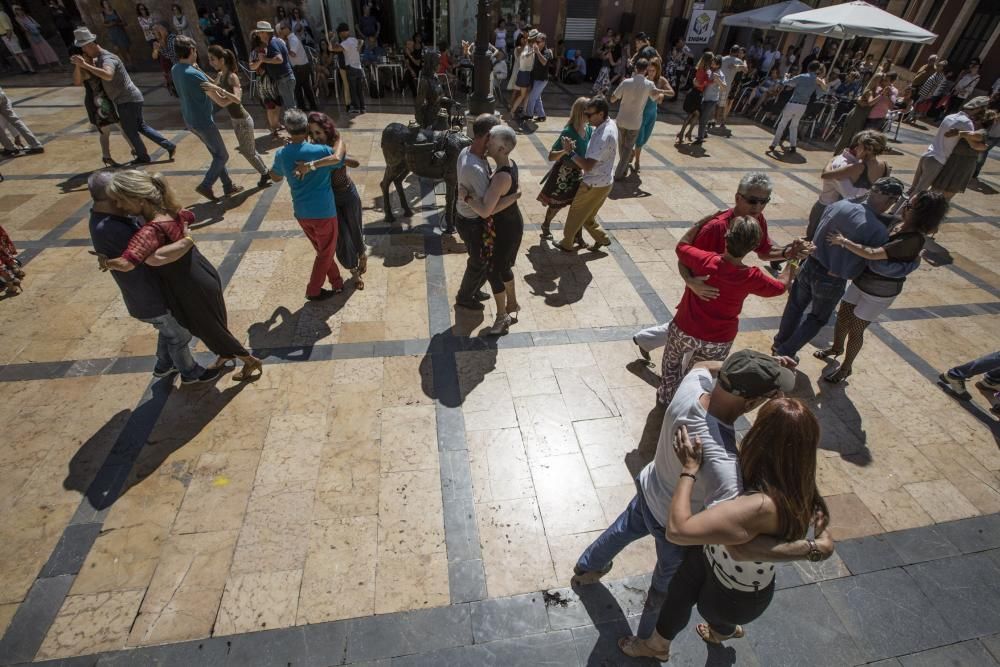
<point>286,89</point>
<point>981,157</point>
<point>988,364</point>
<point>133,126</point>
<point>534,107</point>
<point>212,138</point>
<point>634,523</point>
<point>705,114</point>
<point>172,347</point>
<point>814,287</point>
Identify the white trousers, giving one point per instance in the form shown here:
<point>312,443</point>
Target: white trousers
<point>789,118</point>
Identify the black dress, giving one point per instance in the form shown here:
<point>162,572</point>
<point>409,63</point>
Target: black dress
<point>191,285</point>
<point>508,226</point>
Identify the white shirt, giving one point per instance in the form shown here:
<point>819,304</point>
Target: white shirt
<point>719,476</point>
<point>835,189</point>
<point>966,85</point>
<point>474,176</point>
<point>526,59</point>
<point>633,92</point>
<point>351,56</point>
<point>296,52</point>
<point>942,146</point>
<point>730,64</point>
<point>603,147</point>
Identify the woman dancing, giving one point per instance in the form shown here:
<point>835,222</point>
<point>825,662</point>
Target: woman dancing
<point>877,287</point>
<point>351,250</point>
<point>101,111</point>
<point>780,498</point>
<point>692,102</point>
<point>654,73</point>
<point>504,226</point>
<point>191,284</point>
<point>227,92</point>
<point>563,180</point>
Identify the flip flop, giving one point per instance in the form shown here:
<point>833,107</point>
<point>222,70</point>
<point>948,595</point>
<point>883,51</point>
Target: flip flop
<point>632,645</point>
<point>707,634</point>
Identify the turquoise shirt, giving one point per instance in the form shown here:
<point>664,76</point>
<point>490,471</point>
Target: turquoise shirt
<point>196,107</point>
<point>581,142</point>
<point>312,196</point>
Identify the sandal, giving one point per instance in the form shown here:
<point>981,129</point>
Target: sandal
<point>359,284</point>
<point>252,369</point>
<point>363,264</point>
<point>514,312</point>
<point>708,634</point>
<point>838,376</point>
<point>827,353</point>
<point>634,647</point>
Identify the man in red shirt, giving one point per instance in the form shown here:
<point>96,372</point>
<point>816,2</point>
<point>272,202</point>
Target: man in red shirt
<point>704,330</point>
<point>752,195</point>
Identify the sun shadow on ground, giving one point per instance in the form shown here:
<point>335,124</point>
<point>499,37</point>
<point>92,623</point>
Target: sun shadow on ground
<point>292,336</point>
<point>561,278</point>
<point>208,213</point>
<point>119,455</point>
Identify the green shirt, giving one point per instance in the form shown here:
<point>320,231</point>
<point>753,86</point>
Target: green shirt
<point>581,142</point>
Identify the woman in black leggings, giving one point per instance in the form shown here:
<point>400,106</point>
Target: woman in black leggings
<point>780,499</point>
<point>503,226</point>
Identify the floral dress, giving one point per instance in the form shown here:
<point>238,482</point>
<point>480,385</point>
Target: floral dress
<point>10,267</point>
<point>40,48</point>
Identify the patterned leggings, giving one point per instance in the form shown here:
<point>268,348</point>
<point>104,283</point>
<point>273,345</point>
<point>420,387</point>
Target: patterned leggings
<point>679,345</point>
<point>851,328</point>
<point>243,128</point>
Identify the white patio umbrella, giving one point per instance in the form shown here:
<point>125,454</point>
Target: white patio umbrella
<point>765,18</point>
<point>855,19</point>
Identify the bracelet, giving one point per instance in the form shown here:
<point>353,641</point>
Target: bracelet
<point>687,474</point>
<point>312,166</point>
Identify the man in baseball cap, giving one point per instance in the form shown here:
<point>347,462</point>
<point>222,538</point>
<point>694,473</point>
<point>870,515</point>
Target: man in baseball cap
<point>824,275</point>
<point>708,402</point>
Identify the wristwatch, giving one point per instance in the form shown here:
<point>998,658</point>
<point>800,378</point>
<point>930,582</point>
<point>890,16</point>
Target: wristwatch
<point>814,555</point>
<point>312,166</point>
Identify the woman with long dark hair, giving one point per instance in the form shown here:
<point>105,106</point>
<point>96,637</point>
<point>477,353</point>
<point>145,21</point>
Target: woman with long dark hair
<point>873,292</point>
<point>780,498</point>
<point>352,253</point>
<point>692,101</point>
<point>191,284</point>
<point>101,111</point>
<point>227,93</point>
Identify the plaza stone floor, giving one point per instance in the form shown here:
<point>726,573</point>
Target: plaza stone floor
<point>397,489</point>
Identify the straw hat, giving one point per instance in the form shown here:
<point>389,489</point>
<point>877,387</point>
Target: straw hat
<point>264,26</point>
<point>83,36</point>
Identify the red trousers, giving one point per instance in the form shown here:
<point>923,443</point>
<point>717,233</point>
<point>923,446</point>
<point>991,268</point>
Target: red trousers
<point>322,233</point>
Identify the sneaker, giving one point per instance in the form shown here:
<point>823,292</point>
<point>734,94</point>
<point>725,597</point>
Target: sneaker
<point>9,153</point>
<point>208,375</point>
<point>642,352</point>
<point>988,385</point>
<point>955,385</point>
<point>540,119</point>
<point>265,181</point>
<point>583,577</point>
<point>600,244</point>
<point>235,190</point>
<point>770,149</point>
<point>501,325</point>
<point>791,149</point>
<point>481,295</point>
<point>206,192</point>
<point>323,295</point>
<point>142,160</point>
<point>172,151</point>
<point>162,373</point>
<point>35,150</point>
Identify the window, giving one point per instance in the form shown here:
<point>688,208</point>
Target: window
<point>929,20</point>
<point>978,30</point>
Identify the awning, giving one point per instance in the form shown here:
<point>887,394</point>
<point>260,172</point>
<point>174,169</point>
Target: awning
<point>765,18</point>
<point>855,19</point>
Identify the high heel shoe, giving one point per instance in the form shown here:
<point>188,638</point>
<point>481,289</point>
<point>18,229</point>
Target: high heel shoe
<point>514,312</point>
<point>252,369</point>
<point>837,376</point>
<point>680,138</point>
<point>827,353</point>
<point>110,163</point>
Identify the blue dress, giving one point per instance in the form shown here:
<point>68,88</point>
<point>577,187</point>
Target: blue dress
<point>648,121</point>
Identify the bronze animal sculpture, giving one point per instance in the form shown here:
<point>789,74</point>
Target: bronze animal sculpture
<point>430,154</point>
<point>431,106</point>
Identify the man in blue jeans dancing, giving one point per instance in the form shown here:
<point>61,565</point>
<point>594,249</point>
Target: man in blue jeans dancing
<point>988,366</point>
<point>823,278</point>
<point>709,401</point>
<point>110,231</point>
<point>199,115</point>
<point>119,87</point>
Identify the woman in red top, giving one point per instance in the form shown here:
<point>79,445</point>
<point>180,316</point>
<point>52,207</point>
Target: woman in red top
<point>191,285</point>
<point>705,330</point>
<point>692,102</point>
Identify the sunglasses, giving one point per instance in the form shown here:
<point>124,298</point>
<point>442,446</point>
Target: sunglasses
<point>754,201</point>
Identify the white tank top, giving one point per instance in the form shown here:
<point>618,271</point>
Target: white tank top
<point>747,576</point>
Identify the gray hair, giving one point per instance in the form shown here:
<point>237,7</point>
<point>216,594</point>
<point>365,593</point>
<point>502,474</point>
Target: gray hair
<point>755,180</point>
<point>296,121</point>
<point>505,135</point>
<point>98,185</point>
